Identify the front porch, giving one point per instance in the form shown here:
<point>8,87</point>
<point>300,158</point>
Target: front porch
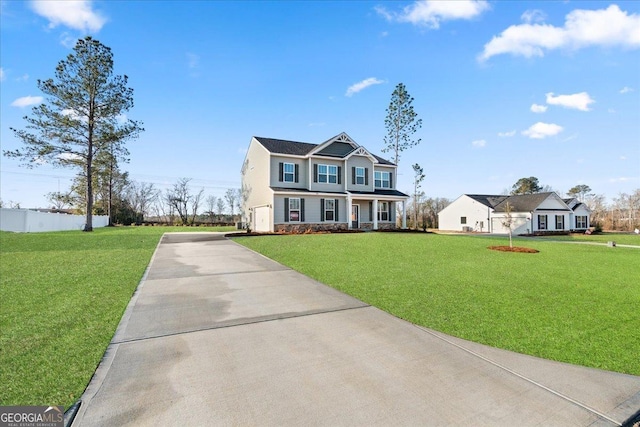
<point>375,211</point>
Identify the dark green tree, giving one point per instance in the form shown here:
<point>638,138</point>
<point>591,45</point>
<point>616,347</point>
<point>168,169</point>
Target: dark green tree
<point>401,123</point>
<point>526,186</point>
<point>81,116</point>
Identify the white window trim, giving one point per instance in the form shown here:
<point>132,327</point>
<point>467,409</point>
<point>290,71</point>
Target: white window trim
<point>332,210</point>
<point>382,211</point>
<point>292,173</point>
<point>328,174</point>
<point>382,180</point>
<point>360,175</point>
<point>298,209</point>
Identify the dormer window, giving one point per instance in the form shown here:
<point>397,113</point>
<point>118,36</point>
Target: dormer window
<point>360,176</point>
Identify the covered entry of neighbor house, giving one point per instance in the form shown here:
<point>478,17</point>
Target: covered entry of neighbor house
<point>261,219</point>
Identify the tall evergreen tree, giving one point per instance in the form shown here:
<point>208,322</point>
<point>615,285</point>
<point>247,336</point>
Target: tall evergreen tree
<point>526,186</point>
<point>401,123</point>
<point>81,116</point>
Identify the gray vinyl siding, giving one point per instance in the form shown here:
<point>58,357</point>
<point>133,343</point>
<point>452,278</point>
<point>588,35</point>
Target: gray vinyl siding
<point>311,209</point>
<point>303,174</point>
<point>363,162</point>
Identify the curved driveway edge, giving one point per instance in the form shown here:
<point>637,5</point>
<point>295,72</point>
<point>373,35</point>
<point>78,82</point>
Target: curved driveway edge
<point>217,334</point>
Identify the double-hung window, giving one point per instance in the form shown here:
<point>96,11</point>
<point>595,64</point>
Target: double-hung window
<point>383,179</point>
<point>559,222</point>
<point>289,172</point>
<point>383,211</point>
<point>329,210</point>
<point>581,221</point>
<point>294,209</point>
<point>328,174</point>
<point>542,222</point>
<point>359,176</point>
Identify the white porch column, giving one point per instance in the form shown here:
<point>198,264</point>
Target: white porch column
<point>375,214</point>
<point>349,208</point>
<point>404,214</point>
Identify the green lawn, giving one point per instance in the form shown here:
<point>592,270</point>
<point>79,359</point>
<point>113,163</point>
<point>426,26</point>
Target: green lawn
<point>619,238</point>
<point>61,298</point>
<point>572,303</point>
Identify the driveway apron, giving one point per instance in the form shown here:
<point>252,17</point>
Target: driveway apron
<point>217,334</point>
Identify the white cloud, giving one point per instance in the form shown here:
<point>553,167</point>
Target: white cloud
<point>76,14</point>
<point>67,40</point>
<point>507,134</point>
<point>479,143</point>
<point>620,179</point>
<point>69,157</point>
<point>357,87</point>
<point>582,28</point>
<point>623,158</point>
<point>23,78</point>
<point>430,13</point>
<point>26,101</point>
<point>533,15</point>
<point>569,138</point>
<point>538,108</point>
<point>611,111</point>
<point>578,101</point>
<point>626,89</point>
<point>2,74</point>
<point>542,130</point>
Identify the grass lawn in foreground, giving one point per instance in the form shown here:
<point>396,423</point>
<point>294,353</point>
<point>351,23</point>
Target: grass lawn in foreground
<point>572,303</point>
<point>61,297</point>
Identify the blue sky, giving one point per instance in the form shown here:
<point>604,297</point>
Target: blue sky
<point>505,89</point>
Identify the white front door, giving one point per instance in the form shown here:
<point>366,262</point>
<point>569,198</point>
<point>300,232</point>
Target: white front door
<point>355,216</point>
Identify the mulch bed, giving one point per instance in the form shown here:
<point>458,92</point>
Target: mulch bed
<point>513,249</point>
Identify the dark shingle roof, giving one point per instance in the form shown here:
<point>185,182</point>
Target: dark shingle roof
<point>281,146</point>
<point>295,148</point>
<point>522,202</point>
<point>487,199</point>
<point>518,203</point>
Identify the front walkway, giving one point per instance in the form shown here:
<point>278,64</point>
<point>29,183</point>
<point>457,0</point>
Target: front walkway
<point>219,335</point>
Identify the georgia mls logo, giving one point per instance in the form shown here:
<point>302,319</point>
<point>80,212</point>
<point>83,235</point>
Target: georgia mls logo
<point>31,416</point>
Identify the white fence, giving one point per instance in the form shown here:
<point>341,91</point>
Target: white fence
<point>28,221</point>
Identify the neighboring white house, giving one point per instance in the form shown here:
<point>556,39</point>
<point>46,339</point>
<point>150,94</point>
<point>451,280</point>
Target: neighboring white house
<point>336,185</point>
<point>531,213</point>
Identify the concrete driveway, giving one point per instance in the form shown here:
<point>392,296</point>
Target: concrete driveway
<point>219,335</point>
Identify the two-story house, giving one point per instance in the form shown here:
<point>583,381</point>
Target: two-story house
<point>337,185</point>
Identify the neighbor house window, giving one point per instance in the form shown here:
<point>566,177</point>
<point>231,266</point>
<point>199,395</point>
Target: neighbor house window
<point>289,172</point>
<point>383,179</point>
<point>360,176</point>
<point>559,222</point>
<point>542,222</point>
<point>294,209</point>
<point>328,174</point>
<point>581,221</point>
<point>383,211</point>
<point>463,220</point>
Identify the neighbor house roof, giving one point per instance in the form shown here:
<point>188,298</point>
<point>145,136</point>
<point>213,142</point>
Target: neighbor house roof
<point>337,149</point>
<point>518,203</point>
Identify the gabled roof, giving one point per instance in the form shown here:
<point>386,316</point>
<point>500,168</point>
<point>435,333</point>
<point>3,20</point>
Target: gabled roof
<point>339,146</point>
<point>522,202</point>
<point>518,203</point>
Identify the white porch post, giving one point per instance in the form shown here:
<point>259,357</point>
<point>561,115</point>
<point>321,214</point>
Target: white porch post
<point>404,214</point>
<point>349,208</point>
<point>375,214</point>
